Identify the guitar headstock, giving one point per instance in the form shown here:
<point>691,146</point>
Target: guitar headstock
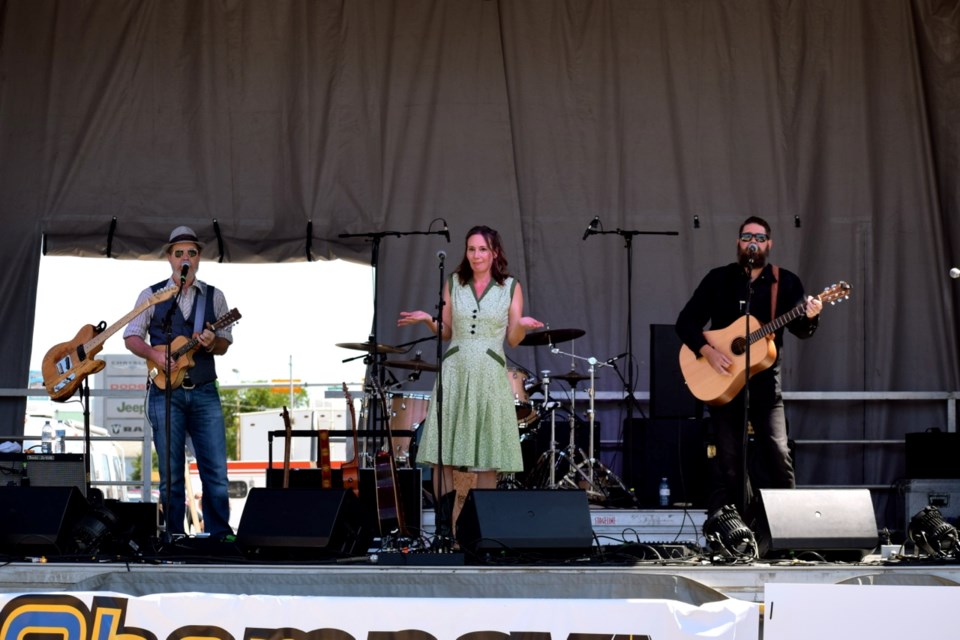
<point>836,293</point>
<point>346,394</point>
<point>226,319</point>
<point>163,294</point>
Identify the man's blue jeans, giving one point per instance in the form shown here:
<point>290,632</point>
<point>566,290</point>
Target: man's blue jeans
<point>196,412</point>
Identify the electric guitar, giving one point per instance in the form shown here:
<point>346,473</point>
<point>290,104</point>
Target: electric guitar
<point>181,351</point>
<point>715,389</point>
<point>350,471</point>
<point>66,365</point>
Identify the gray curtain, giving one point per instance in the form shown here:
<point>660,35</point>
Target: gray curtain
<point>274,127</point>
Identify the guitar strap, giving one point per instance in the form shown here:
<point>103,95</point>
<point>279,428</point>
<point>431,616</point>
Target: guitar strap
<point>773,291</point>
<point>201,308</point>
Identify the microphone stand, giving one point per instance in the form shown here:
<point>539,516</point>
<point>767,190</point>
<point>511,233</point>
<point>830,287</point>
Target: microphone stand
<point>373,417</point>
<point>628,236</point>
<point>167,328</point>
<point>746,395</point>
<point>444,516</point>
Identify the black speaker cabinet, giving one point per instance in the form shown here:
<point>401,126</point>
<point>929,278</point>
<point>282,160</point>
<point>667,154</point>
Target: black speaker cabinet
<point>300,523</point>
<point>933,454</point>
<point>510,521</point>
<point>664,448</point>
<point>838,524</point>
<point>409,484</point>
<point>37,521</point>
<point>669,395</point>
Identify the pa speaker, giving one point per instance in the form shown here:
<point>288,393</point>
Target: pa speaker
<point>299,523</point>
<point>37,521</point>
<point>669,395</point>
<point>837,524</point>
<point>544,521</point>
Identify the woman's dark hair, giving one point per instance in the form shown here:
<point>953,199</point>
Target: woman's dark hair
<point>498,270</point>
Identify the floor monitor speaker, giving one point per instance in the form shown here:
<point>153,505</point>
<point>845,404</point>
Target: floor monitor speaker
<point>300,523</point>
<point>39,521</point>
<point>510,521</point>
<point>837,524</point>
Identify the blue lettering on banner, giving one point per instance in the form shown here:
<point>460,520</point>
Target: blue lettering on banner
<point>65,617</point>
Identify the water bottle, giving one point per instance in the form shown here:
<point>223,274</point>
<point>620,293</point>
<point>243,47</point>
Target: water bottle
<point>60,446</point>
<point>46,438</point>
<point>664,493</point>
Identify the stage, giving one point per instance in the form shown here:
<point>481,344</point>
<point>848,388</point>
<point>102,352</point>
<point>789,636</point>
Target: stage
<point>637,554</point>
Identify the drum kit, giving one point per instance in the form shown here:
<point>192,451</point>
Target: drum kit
<point>547,464</point>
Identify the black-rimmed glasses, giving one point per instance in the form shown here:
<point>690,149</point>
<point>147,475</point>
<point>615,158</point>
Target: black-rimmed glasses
<point>747,237</point>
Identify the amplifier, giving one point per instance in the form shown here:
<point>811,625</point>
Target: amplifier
<point>43,470</point>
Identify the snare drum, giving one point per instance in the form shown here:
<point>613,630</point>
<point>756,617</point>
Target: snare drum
<point>525,411</point>
<point>407,412</point>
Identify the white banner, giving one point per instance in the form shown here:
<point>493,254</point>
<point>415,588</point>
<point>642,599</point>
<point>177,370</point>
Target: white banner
<point>195,616</point>
<point>804,611</point>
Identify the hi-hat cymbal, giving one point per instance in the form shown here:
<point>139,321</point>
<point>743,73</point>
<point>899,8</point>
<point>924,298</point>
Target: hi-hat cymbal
<point>572,378</point>
<point>416,364</point>
<point>550,336</point>
<point>368,347</point>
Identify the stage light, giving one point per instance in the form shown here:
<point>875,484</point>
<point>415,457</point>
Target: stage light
<point>930,533</point>
<point>95,524</point>
<point>727,534</point>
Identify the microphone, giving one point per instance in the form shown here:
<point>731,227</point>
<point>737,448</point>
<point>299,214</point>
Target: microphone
<point>184,269</point>
<point>446,232</point>
<point>955,273</point>
<point>441,255</point>
<point>592,227</point>
<point>753,248</point>
<point>615,358</point>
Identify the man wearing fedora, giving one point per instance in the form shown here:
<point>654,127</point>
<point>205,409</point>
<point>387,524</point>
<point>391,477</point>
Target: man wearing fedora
<point>195,409</point>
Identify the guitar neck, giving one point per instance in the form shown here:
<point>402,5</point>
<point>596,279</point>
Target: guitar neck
<point>777,323</point>
<point>101,337</point>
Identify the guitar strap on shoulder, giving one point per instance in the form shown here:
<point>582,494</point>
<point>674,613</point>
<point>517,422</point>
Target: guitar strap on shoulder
<point>773,291</point>
<point>200,310</point>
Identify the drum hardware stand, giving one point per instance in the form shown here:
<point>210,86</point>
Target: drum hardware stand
<point>589,474</point>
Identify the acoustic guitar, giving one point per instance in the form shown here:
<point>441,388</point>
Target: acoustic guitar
<point>389,512</point>
<point>66,365</point>
<point>350,471</point>
<point>181,352</point>
<point>287,441</point>
<point>715,389</point>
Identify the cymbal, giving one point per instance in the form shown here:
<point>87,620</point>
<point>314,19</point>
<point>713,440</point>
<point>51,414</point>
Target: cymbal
<point>368,347</point>
<point>550,336</point>
<point>415,364</point>
<point>573,377</point>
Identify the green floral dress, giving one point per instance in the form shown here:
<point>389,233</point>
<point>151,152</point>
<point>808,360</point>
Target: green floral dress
<point>479,412</point>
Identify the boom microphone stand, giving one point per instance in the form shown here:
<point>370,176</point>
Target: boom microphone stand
<point>628,236</point>
<point>376,237</point>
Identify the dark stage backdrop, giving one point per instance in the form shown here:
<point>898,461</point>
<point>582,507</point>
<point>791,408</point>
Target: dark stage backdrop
<point>279,125</point>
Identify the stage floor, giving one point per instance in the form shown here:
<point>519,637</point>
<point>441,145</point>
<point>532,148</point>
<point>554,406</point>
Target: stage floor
<point>638,554</point>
